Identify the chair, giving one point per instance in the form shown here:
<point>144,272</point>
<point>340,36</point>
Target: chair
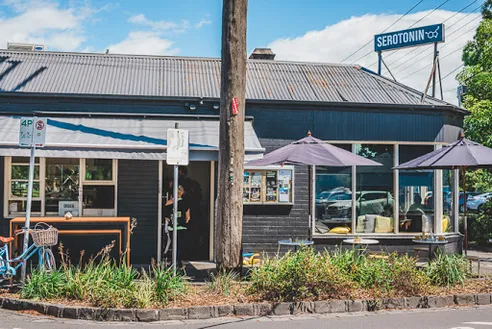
<point>471,259</point>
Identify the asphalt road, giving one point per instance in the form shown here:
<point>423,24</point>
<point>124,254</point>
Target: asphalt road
<point>451,318</point>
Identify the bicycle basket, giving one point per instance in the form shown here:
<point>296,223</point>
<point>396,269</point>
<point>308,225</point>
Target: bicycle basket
<point>44,235</point>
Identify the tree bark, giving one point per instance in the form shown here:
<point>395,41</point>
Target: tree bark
<point>231,151</point>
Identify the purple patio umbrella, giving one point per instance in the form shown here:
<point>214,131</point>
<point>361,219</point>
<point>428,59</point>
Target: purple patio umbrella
<point>312,152</point>
<point>461,154</point>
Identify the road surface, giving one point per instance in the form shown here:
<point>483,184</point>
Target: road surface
<point>450,318</point>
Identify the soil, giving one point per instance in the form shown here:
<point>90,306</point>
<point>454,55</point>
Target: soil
<point>200,295</point>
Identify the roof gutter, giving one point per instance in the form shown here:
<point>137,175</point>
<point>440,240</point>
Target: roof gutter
<point>191,99</point>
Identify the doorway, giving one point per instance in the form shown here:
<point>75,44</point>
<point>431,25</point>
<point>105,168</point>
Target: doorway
<point>195,179</point>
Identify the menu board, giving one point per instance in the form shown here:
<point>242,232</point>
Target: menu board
<point>255,187</point>
<point>267,186</point>
<point>284,185</point>
<point>271,186</point>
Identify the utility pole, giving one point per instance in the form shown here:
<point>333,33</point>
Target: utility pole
<point>231,151</point>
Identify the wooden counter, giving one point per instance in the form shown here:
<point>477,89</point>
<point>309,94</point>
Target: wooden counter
<point>19,222</point>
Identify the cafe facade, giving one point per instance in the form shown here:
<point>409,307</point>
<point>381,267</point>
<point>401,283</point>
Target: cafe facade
<point>105,154</point>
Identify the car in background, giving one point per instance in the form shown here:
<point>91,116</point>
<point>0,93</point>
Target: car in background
<point>469,196</point>
<point>367,202</point>
<point>326,198</point>
<point>476,203</point>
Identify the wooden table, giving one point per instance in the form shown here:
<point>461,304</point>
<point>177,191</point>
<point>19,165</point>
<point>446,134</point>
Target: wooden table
<point>19,222</point>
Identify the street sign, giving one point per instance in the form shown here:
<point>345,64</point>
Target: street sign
<point>409,38</point>
<point>32,132</point>
<point>177,147</point>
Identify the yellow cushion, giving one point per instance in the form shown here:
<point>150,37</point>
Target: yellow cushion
<point>383,225</point>
<point>445,223</point>
<point>340,230</point>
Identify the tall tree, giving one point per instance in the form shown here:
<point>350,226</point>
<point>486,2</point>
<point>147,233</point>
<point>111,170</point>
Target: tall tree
<point>231,152</point>
<point>477,76</point>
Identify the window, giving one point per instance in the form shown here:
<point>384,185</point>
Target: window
<point>333,198</point>
<point>416,189</point>
<point>99,187</point>
<point>62,186</point>
<point>268,186</point>
<point>17,173</point>
<point>374,199</point>
<point>58,184</point>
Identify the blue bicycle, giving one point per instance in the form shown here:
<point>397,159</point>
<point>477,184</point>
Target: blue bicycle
<point>43,236</point>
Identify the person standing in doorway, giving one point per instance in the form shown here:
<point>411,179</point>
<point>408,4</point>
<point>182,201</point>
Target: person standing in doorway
<point>183,218</point>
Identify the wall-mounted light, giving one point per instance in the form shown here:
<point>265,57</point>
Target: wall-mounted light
<point>201,101</point>
<point>216,106</point>
<point>192,107</point>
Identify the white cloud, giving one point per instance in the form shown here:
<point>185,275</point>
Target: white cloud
<point>202,23</point>
<point>161,26</point>
<point>144,43</point>
<point>335,42</point>
<point>43,21</point>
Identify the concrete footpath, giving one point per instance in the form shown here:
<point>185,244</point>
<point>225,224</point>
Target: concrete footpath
<point>485,262</point>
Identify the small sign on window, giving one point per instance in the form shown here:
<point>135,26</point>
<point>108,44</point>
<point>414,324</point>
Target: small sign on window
<point>68,206</point>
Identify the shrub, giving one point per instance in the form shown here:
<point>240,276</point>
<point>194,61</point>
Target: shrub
<point>167,286</point>
<point>222,282</point>
<point>406,278</point>
<point>301,275</point>
<point>480,226</point>
<point>44,285</point>
<point>448,270</point>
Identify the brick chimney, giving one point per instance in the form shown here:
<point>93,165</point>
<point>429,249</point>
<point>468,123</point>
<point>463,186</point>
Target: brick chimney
<point>262,53</point>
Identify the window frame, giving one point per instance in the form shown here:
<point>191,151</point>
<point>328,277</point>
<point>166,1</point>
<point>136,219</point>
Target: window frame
<point>264,169</point>
<point>42,186</point>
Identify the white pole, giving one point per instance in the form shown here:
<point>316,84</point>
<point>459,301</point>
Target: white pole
<point>175,214</point>
<point>28,210</point>
<point>175,218</point>
<point>159,213</point>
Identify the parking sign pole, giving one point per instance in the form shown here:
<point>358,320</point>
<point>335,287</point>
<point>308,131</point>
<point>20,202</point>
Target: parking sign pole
<point>175,214</point>
<point>28,210</point>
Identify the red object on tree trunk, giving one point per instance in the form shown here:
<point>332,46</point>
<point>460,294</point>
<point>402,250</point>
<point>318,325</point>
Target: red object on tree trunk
<point>235,106</point>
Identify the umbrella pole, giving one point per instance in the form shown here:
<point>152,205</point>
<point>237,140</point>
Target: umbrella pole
<point>463,170</point>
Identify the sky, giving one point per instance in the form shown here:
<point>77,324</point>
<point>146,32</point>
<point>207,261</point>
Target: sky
<point>307,30</point>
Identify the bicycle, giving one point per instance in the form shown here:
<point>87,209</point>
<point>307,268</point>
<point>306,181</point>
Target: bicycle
<point>43,239</point>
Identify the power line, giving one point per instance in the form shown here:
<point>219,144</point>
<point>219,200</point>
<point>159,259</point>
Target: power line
<point>447,19</point>
<point>431,46</point>
<point>447,55</point>
<point>405,14</point>
<point>457,68</point>
<point>442,4</point>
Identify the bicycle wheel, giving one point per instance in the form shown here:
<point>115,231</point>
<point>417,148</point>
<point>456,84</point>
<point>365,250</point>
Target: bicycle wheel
<point>46,259</point>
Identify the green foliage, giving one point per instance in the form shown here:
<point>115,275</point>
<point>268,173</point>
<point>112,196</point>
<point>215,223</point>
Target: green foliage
<point>222,282</point>
<point>43,285</point>
<point>478,124</point>
<point>167,286</point>
<point>307,274</point>
<point>300,275</point>
<point>106,284</point>
<point>448,270</point>
<point>480,227</point>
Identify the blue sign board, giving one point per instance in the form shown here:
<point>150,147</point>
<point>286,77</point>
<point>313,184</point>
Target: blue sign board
<point>409,38</point>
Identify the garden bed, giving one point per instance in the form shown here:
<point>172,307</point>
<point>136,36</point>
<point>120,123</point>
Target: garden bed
<point>295,282</point>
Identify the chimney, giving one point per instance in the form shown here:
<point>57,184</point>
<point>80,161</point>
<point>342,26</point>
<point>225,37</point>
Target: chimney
<point>262,53</point>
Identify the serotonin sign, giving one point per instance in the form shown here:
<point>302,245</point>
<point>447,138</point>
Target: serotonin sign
<point>409,38</point>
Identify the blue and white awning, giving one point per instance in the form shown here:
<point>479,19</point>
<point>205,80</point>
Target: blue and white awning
<point>122,138</point>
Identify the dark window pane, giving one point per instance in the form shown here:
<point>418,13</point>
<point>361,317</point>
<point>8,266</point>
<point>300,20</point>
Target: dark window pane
<point>416,213</point>
<point>22,172</point>
<point>23,160</point>
<point>98,197</point>
<point>17,207</point>
<point>374,205</point>
<point>62,182</point>
<point>98,169</point>
<point>19,189</point>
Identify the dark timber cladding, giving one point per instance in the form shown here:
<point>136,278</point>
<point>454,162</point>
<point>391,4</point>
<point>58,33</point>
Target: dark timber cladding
<point>137,197</point>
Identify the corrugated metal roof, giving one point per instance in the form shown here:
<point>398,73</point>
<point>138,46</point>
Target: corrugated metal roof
<point>159,76</point>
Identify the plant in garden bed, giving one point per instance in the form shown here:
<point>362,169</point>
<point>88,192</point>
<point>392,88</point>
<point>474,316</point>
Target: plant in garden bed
<point>448,270</point>
<point>222,282</point>
<point>301,275</point>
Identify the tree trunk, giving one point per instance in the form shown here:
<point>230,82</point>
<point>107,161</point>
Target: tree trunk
<point>231,152</point>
